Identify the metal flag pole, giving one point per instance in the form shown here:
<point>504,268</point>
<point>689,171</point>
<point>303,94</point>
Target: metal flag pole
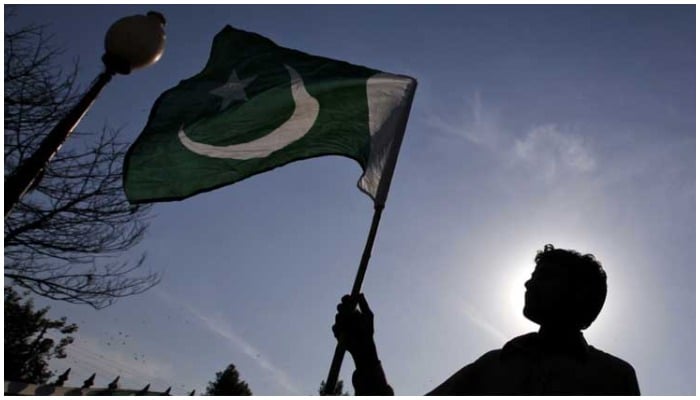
<point>337,362</point>
<point>22,178</point>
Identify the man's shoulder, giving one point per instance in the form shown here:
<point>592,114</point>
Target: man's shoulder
<point>524,344</point>
<point>619,375</point>
<point>608,360</point>
<point>488,357</point>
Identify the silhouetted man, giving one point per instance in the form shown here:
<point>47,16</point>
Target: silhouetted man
<point>564,296</point>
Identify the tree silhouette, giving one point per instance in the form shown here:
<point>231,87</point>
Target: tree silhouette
<point>338,391</point>
<point>228,383</point>
<point>63,238</point>
<point>28,348</point>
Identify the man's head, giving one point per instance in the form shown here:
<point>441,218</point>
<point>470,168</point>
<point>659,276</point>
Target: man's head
<point>566,290</point>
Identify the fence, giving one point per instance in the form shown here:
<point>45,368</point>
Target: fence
<point>57,389</point>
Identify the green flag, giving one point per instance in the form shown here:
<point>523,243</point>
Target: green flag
<point>257,106</point>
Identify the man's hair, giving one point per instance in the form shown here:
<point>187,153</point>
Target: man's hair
<point>587,276</point>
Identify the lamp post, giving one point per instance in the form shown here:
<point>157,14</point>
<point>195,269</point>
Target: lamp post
<point>130,43</point>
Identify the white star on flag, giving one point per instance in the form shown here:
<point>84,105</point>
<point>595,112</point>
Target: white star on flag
<point>233,89</point>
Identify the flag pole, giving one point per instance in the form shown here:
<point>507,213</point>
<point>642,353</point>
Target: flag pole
<point>334,370</point>
<point>379,201</point>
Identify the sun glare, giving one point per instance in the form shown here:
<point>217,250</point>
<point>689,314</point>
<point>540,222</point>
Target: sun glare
<point>516,270</point>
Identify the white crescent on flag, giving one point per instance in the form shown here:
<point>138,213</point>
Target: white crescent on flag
<point>306,110</point>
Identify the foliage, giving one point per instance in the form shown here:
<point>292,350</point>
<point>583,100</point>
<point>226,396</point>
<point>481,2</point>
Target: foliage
<point>338,391</point>
<point>27,345</point>
<point>228,383</point>
<point>62,239</point>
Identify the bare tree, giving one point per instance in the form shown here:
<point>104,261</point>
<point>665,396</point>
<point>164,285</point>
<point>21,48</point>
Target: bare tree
<point>64,238</point>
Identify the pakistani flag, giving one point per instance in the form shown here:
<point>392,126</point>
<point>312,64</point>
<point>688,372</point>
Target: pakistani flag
<point>257,106</point>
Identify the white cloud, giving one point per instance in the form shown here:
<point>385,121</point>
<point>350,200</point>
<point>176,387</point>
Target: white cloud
<point>223,329</point>
<point>478,124</point>
<point>479,320</point>
<point>552,151</point>
<point>546,151</point>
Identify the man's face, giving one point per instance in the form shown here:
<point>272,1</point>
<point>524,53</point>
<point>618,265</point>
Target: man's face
<point>548,296</point>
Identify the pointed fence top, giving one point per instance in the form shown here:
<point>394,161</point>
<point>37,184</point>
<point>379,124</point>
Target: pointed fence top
<point>62,378</point>
<point>89,382</point>
<point>113,384</point>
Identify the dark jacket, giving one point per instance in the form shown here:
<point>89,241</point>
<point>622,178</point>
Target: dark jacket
<point>527,365</point>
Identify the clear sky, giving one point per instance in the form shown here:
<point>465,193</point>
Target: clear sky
<point>531,125</point>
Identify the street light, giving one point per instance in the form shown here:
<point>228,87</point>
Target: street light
<point>131,43</point>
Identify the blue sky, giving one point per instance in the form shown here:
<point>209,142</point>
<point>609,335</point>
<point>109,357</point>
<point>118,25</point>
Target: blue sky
<point>531,125</point>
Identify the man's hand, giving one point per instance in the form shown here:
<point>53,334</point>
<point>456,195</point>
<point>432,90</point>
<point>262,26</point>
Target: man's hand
<point>354,330</point>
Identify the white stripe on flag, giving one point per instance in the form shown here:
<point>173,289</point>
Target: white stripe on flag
<point>389,100</point>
